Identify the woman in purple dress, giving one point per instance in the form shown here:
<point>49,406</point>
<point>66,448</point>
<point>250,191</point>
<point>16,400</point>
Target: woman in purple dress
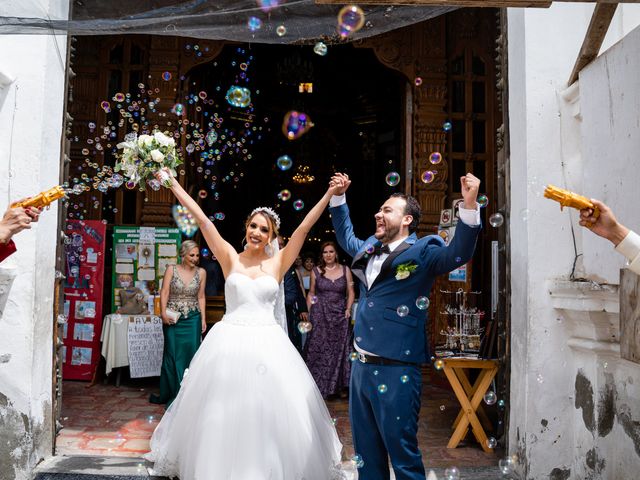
<point>329,302</point>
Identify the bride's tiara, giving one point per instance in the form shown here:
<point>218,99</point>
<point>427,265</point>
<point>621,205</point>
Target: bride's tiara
<point>269,211</point>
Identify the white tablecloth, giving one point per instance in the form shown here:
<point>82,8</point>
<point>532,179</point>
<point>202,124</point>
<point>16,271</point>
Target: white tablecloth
<point>114,340</point>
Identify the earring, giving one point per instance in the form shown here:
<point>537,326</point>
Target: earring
<point>244,243</point>
<point>268,250</point>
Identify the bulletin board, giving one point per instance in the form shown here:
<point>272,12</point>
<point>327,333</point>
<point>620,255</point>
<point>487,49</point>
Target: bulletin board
<point>140,258</point>
<point>83,286</point>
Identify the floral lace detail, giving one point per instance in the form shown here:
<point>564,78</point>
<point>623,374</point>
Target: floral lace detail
<point>184,298</point>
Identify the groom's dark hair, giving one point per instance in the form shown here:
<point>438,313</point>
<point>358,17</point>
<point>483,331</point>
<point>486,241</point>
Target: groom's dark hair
<point>412,208</point>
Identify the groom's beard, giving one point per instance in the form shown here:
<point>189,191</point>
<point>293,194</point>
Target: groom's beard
<point>389,234</point>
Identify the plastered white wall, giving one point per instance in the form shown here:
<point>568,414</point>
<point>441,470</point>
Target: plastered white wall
<point>547,146</point>
<point>31,122</point>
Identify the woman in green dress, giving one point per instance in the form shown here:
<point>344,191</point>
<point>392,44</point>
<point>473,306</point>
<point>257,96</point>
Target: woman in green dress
<point>182,294</point>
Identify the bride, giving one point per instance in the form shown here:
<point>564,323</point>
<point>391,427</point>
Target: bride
<point>248,408</point>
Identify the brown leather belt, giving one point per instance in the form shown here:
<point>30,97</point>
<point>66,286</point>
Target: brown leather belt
<point>375,360</point>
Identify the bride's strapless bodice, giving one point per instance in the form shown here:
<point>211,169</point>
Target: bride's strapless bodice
<point>250,301</point>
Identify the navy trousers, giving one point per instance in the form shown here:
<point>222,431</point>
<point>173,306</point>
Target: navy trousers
<point>384,404</point>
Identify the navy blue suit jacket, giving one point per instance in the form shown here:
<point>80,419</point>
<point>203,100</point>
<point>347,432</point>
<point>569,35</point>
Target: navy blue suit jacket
<point>379,328</point>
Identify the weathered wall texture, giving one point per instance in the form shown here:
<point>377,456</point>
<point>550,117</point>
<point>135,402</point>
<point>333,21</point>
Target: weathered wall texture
<point>572,414</point>
<point>31,121</point>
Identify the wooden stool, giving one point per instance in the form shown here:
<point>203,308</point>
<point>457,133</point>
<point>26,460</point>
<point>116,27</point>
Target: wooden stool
<point>470,397</point>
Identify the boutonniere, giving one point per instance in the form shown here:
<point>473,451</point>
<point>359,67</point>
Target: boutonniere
<point>404,270</point>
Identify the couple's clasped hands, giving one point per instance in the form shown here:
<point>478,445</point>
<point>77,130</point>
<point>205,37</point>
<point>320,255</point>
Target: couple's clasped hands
<point>469,186</point>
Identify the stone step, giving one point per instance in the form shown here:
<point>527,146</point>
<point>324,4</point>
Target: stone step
<point>81,467</point>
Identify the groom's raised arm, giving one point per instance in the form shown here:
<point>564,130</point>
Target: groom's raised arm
<point>343,226</point>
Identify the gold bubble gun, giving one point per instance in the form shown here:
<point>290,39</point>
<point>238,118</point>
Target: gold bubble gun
<point>567,198</point>
<point>43,199</point>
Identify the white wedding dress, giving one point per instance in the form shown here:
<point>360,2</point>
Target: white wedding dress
<point>248,408</point>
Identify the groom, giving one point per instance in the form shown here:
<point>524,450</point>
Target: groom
<point>395,269</point>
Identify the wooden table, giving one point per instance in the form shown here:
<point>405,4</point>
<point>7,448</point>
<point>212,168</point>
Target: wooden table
<point>470,397</point>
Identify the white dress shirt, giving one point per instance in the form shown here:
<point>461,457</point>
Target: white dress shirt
<point>630,248</point>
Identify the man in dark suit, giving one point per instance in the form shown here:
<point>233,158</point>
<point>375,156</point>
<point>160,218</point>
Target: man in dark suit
<point>215,279</point>
<point>397,271</point>
<point>294,302</point>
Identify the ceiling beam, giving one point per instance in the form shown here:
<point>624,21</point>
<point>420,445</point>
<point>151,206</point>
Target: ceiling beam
<point>471,3</point>
<point>600,21</point>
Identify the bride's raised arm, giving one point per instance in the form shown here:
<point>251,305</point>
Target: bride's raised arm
<point>289,253</point>
<point>223,251</point>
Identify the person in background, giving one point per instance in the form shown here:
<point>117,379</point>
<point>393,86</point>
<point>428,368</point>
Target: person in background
<point>182,292</point>
<point>215,279</point>
<point>625,241</point>
<point>329,301</point>
<point>14,221</point>
<point>308,262</point>
<point>294,302</point>
<point>298,264</point>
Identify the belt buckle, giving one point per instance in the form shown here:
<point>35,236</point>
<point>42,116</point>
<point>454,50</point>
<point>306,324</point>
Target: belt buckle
<point>362,357</point>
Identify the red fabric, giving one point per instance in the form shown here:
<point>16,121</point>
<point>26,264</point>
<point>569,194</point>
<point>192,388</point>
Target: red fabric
<point>7,249</point>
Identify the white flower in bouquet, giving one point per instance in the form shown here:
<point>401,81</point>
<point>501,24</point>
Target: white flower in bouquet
<point>145,155</point>
<point>157,156</point>
<point>164,140</point>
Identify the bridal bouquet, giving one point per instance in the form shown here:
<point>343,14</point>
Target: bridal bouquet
<point>143,156</point>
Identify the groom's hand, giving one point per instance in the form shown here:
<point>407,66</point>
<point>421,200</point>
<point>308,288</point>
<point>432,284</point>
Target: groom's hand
<point>469,185</point>
<point>341,180</point>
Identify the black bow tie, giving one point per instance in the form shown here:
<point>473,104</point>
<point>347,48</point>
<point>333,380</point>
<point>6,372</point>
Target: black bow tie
<point>380,249</point>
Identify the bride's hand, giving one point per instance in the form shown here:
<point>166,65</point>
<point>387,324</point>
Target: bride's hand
<point>165,177</point>
<point>335,186</point>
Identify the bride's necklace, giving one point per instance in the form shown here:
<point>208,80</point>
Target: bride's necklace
<point>330,268</point>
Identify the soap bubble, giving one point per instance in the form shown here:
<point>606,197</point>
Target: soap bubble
<point>483,200</point>
<point>284,195</point>
<point>438,364</point>
<point>422,303</point>
<point>428,176</point>
<point>254,24</point>
<point>435,158</point>
<point>490,397</point>
<point>492,442</point>
<point>446,126</point>
<point>320,49</point>
<point>392,179</point>
<point>402,311</point>
<point>369,248</point>
<point>166,76</point>
<point>417,81</point>
<point>238,96</point>
<point>281,30</point>
<point>298,205</point>
<point>506,465</point>
<point>452,473</point>
<point>211,137</point>
<point>496,220</point>
<point>382,388</point>
<point>295,124</point>
<point>284,162</point>
<point>404,378</point>
<point>304,327</point>
<point>350,20</point>
<point>357,461</point>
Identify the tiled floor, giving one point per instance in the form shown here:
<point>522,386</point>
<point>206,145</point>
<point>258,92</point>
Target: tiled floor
<point>118,421</point>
